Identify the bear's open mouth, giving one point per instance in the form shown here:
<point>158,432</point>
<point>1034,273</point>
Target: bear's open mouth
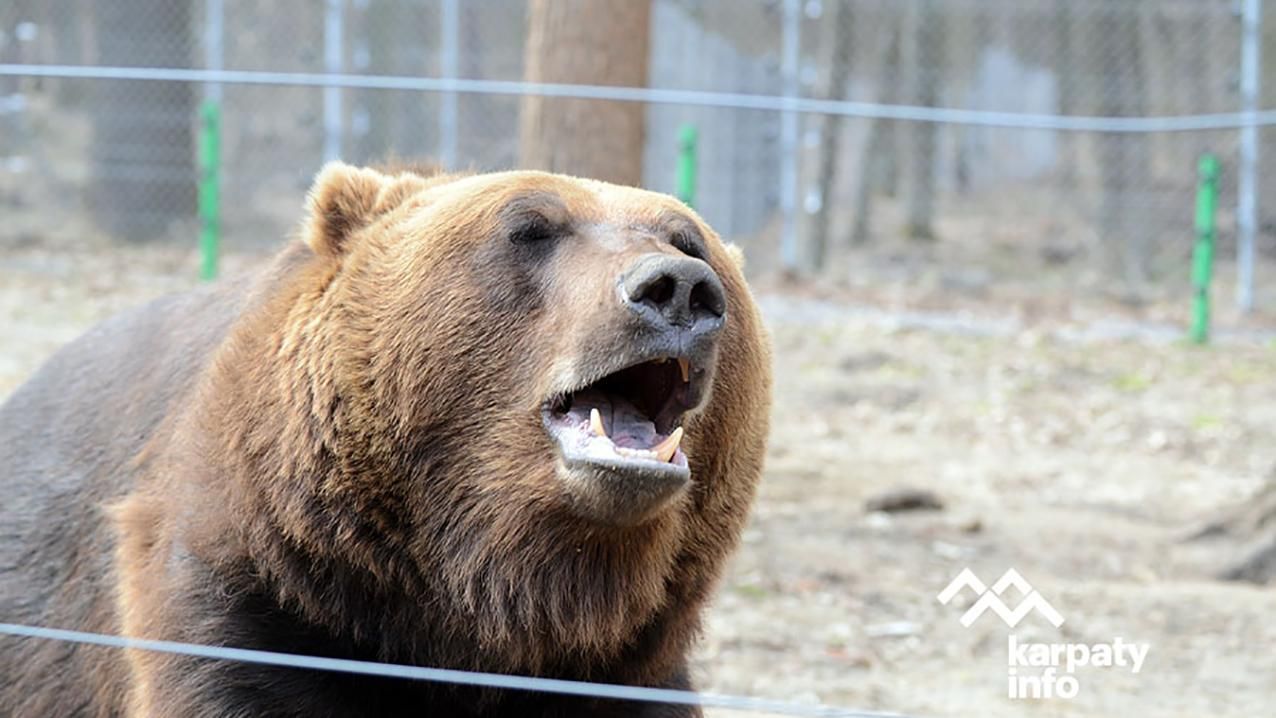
<point>632,416</point>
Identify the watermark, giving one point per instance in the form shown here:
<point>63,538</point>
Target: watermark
<point>1032,601</point>
<point>1039,670</point>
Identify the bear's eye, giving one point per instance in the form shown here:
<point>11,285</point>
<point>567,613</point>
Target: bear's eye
<point>534,229</point>
<point>687,244</point>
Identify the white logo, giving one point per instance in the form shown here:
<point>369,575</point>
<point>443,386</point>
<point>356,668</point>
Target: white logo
<point>1032,600</point>
<point>1058,661</point>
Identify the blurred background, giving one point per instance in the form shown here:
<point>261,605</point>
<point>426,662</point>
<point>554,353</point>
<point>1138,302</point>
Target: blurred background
<point>970,224</point>
<point>804,191</point>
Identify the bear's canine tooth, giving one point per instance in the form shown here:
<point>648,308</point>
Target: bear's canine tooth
<point>667,448</point>
<point>596,422</point>
<point>685,366</point>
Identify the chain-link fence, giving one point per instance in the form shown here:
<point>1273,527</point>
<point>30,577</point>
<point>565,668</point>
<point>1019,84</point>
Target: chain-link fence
<point>804,190</point>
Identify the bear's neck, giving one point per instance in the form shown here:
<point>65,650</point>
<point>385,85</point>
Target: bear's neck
<point>518,591</point>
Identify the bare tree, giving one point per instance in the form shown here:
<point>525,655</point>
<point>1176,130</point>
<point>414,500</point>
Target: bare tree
<point>826,174</point>
<point>596,42</point>
<point>143,154</point>
<point>969,35</point>
<point>1117,62</point>
<point>928,59</point>
<point>878,169</point>
<point>1066,73</point>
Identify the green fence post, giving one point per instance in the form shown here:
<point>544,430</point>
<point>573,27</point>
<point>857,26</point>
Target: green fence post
<point>1203,253</point>
<point>687,141</point>
<point>209,188</point>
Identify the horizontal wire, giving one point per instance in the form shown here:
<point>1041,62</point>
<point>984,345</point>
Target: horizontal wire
<point>662,96</point>
<point>445,675</point>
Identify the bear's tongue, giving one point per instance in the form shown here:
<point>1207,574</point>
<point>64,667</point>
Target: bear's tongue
<point>623,426</point>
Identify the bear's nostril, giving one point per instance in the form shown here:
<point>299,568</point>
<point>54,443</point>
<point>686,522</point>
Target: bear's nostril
<point>674,292</point>
<point>705,298</point>
<point>659,292</point>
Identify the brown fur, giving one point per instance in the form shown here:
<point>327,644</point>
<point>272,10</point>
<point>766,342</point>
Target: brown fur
<point>343,456</point>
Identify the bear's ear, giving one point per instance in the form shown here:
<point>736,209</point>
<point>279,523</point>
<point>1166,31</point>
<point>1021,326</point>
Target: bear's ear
<point>345,199</point>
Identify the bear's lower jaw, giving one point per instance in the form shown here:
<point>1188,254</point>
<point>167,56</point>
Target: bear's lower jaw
<point>618,439</point>
<point>623,492</point>
<point>615,481</point>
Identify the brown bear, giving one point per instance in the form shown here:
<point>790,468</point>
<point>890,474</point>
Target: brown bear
<point>505,422</point>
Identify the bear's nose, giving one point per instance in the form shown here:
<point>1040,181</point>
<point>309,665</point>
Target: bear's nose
<point>673,292</point>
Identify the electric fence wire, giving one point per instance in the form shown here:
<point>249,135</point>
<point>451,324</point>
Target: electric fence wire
<point>730,100</point>
<point>444,675</point>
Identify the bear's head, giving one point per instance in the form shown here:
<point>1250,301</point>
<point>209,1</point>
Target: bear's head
<point>533,405</point>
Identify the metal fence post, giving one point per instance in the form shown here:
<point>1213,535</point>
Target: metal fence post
<point>333,122</point>
<point>1247,185</point>
<point>790,57</point>
<point>209,192</point>
<point>1203,252</point>
<point>686,179</point>
<point>209,189</point>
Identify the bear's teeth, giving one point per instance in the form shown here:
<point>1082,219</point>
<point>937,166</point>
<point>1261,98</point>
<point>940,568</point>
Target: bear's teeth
<point>636,453</point>
<point>685,366</point>
<point>667,448</point>
<point>596,422</point>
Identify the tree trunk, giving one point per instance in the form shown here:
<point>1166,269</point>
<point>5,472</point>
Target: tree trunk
<point>143,155</point>
<point>1066,73</point>
<point>1122,160</point>
<point>969,37</point>
<point>886,133</point>
<point>878,168</point>
<point>928,61</point>
<point>594,42</point>
<point>826,173</point>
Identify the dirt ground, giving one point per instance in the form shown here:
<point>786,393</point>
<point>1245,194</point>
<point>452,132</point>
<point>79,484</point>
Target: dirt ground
<point>1077,442</point>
